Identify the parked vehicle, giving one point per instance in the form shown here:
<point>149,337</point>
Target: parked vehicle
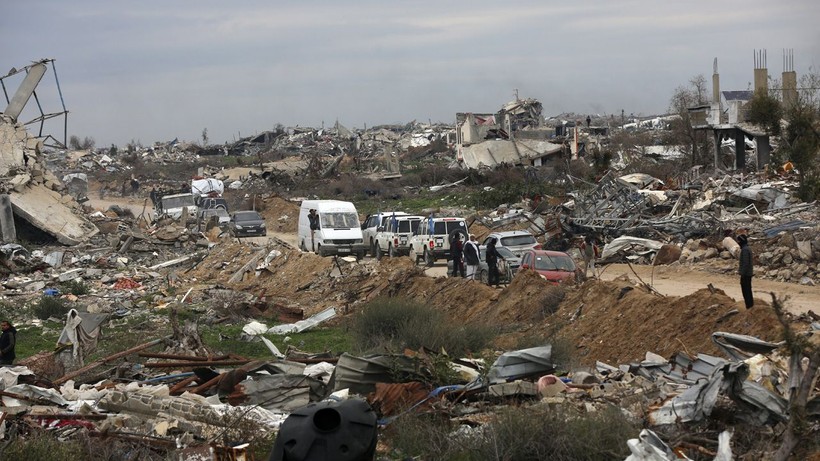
<point>247,224</point>
<point>432,239</point>
<point>517,241</point>
<point>220,215</point>
<point>174,205</point>
<point>206,203</point>
<point>393,238</point>
<point>371,226</point>
<point>507,267</point>
<point>339,231</point>
<point>555,266</point>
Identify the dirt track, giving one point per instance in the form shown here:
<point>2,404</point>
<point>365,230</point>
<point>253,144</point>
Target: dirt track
<point>682,281</point>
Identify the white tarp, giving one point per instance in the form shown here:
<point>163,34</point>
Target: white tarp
<point>625,241</point>
<point>303,325</point>
<point>206,186</point>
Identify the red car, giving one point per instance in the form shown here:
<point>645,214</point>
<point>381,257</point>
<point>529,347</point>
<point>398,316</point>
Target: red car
<point>555,266</point>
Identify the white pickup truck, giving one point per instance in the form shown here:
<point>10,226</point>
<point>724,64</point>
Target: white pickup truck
<point>393,238</point>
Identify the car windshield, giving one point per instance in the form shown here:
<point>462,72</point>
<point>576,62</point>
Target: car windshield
<point>409,225</point>
<point>339,220</point>
<point>554,263</point>
<point>517,240</point>
<point>178,202</point>
<point>445,227</point>
<point>248,216</point>
<point>505,252</point>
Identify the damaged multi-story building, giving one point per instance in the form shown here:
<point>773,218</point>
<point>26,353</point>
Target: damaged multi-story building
<point>34,203</point>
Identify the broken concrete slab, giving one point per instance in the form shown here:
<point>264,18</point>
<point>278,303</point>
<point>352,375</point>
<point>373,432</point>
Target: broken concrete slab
<point>38,205</point>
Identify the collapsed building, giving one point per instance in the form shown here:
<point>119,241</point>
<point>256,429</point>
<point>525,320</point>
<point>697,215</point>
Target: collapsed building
<point>34,201</point>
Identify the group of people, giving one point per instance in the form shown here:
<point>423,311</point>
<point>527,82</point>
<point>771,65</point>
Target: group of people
<point>467,254</point>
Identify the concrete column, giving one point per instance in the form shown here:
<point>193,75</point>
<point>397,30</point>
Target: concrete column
<point>716,136</point>
<point>8,233</point>
<point>740,150</point>
<point>764,151</point>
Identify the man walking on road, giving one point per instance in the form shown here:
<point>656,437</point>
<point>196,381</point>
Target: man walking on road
<point>746,269</point>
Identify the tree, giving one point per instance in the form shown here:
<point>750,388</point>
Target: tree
<point>75,143</point>
<point>802,136</point>
<point>765,110</point>
<point>683,98</point>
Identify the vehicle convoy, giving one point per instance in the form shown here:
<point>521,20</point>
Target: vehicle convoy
<point>371,226</point>
<point>555,266</point>
<point>393,237</point>
<point>433,237</point>
<point>337,232</point>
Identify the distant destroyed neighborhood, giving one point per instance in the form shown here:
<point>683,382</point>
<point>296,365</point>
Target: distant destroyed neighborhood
<point>311,293</point>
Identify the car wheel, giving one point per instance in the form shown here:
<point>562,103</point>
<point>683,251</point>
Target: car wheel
<point>377,252</point>
<point>303,248</point>
<point>391,251</point>
<point>429,259</point>
<point>484,277</point>
<point>320,251</point>
<point>372,248</point>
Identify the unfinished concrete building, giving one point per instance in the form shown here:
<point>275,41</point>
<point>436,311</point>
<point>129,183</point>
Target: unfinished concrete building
<point>727,116</point>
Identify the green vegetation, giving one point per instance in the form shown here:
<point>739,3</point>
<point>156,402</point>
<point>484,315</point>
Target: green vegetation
<point>393,324</point>
<point>519,433</point>
<point>50,307</point>
<point>227,338</point>
<point>75,287</point>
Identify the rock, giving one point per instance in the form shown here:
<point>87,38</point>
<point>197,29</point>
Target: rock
<point>725,255</point>
<point>787,258</point>
<point>804,250</point>
<point>731,246</point>
<point>785,274</point>
<point>807,281</point>
<point>765,258</point>
<point>800,270</point>
<point>698,255</point>
<point>710,252</point>
<point>667,254</point>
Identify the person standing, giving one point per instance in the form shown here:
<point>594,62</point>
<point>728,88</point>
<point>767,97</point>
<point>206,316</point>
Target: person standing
<point>746,270</point>
<point>492,262</point>
<point>456,251</point>
<point>7,342</point>
<point>471,257</point>
<point>590,251</point>
<point>313,220</point>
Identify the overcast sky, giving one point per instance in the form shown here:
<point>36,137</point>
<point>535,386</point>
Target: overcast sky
<point>158,70</point>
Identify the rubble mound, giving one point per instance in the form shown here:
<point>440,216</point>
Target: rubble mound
<point>618,322</point>
<point>281,215</point>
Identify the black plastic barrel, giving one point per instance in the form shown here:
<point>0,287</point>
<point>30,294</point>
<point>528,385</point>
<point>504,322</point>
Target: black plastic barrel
<point>328,431</point>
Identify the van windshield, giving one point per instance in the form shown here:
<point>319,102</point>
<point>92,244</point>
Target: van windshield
<point>339,220</point>
<point>178,202</point>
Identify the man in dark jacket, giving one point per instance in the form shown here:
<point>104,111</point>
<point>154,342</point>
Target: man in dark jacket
<point>746,270</point>
<point>7,343</point>
<point>456,252</point>
<point>492,263</point>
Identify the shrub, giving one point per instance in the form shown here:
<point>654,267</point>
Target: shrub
<point>393,324</point>
<point>50,306</point>
<point>551,299</point>
<point>76,287</point>
<point>522,434</point>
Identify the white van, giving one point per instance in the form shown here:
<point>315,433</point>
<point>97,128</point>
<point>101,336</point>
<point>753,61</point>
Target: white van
<point>339,230</point>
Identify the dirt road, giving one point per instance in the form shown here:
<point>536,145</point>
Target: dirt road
<point>668,280</point>
<point>681,281</point>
